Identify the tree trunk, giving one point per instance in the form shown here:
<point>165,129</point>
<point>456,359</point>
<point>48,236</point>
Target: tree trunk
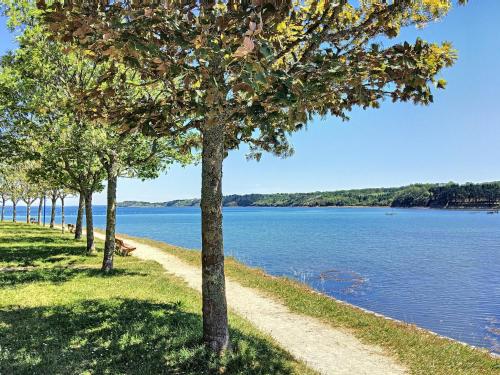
<point>40,206</point>
<point>44,208</point>
<point>28,212</point>
<point>215,325</point>
<point>62,214</point>
<point>109,245</point>
<point>79,218</point>
<point>53,212</point>
<point>14,212</point>
<point>90,224</point>
<point>3,208</point>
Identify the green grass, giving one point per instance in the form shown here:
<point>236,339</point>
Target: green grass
<point>420,351</point>
<point>60,315</point>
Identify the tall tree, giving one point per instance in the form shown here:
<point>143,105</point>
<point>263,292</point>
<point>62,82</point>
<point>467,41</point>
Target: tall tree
<point>73,154</point>
<point>28,197</point>
<point>132,155</point>
<point>255,71</point>
<point>4,197</point>
<point>63,194</point>
<point>13,188</point>
<point>3,189</point>
<point>41,198</point>
<point>54,196</point>
<point>79,217</point>
<point>125,153</point>
<point>27,185</point>
<point>43,187</point>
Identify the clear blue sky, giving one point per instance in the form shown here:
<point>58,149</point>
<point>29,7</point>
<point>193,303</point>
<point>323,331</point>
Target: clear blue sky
<point>455,139</point>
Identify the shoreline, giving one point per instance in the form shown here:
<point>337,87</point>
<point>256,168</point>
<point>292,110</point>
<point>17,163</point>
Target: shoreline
<point>495,209</point>
<point>424,330</point>
<point>22,208</point>
<point>146,240</point>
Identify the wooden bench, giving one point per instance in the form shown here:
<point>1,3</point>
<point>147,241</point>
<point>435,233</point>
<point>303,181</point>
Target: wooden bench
<point>71,228</point>
<point>123,249</point>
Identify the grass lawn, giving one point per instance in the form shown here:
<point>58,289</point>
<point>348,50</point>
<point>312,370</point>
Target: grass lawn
<point>421,352</point>
<point>60,315</point>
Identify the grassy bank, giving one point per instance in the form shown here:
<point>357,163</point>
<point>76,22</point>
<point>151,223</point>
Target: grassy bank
<point>421,351</point>
<point>60,315</point>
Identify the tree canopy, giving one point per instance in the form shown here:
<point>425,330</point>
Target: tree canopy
<point>263,68</point>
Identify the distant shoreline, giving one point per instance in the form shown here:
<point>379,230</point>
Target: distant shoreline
<point>495,209</point>
<point>484,196</point>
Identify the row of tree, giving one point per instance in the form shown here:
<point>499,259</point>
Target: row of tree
<point>16,186</point>
<point>102,89</point>
<point>43,120</point>
<point>23,181</point>
<point>19,182</point>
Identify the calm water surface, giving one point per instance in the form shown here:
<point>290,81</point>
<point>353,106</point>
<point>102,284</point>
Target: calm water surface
<point>438,269</point>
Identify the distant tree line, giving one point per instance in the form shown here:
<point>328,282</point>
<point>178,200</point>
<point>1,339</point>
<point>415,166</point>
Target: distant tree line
<point>450,195</point>
<point>20,181</point>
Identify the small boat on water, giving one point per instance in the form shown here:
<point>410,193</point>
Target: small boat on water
<point>492,212</point>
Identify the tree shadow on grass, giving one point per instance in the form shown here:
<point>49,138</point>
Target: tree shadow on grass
<point>25,229</point>
<point>31,239</point>
<point>122,336</point>
<point>16,277</point>
<point>37,249</point>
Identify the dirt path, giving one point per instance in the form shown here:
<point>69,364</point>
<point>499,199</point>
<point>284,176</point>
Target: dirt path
<point>321,347</point>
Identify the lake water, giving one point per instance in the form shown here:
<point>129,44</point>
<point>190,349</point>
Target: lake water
<point>438,269</point>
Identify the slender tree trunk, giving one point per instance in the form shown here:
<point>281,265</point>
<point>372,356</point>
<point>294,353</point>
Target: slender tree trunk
<point>14,212</point>
<point>90,224</point>
<point>109,246</point>
<point>62,215</point>
<point>215,324</point>
<point>44,208</point>
<point>28,212</point>
<point>3,209</point>
<point>40,206</point>
<point>53,212</point>
<point>79,218</point>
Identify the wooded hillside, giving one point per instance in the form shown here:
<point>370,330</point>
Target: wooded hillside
<point>450,195</point>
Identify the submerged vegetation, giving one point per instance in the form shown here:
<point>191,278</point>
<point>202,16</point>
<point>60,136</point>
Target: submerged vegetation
<point>450,195</point>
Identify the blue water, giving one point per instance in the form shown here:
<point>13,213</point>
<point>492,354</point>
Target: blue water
<point>438,269</point>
